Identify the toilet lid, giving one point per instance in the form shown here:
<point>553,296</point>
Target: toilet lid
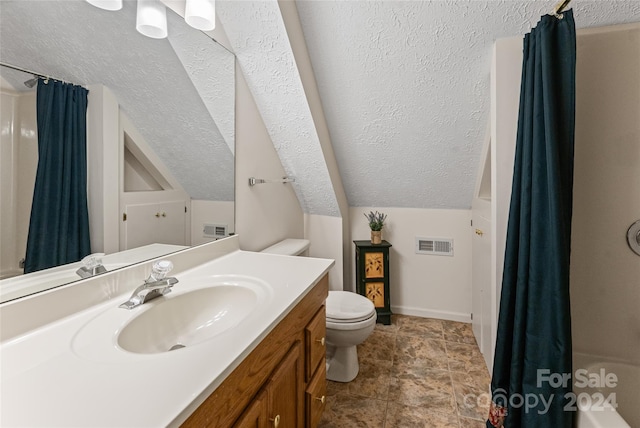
<point>345,306</point>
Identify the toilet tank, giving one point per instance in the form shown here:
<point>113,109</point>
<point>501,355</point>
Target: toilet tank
<point>288,247</point>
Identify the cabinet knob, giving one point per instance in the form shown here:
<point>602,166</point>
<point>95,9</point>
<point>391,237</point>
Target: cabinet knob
<point>157,214</point>
<point>479,232</point>
<point>276,421</point>
<point>321,399</point>
<point>164,214</point>
<point>321,341</point>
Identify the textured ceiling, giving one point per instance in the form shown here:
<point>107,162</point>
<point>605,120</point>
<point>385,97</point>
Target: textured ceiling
<point>404,85</point>
<point>257,33</point>
<point>172,108</point>
<point>405,88</point>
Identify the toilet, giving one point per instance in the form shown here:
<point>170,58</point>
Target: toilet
<point>351,318</point>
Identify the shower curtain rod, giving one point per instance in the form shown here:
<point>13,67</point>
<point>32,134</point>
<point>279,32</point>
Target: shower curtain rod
<point>560,7</point>
<point>39,75</point>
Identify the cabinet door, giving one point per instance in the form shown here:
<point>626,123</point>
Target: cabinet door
<point>315,396</point>
<point>374,265</point>
<point>315,342</point>
<point>255,416</point>
<point>157,223</point>
<point>285,392</point>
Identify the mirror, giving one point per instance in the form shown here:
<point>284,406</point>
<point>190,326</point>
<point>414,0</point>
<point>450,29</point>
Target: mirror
<point>178,93</point>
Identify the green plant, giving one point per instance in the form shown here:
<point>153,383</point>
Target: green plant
<point>376,220</point>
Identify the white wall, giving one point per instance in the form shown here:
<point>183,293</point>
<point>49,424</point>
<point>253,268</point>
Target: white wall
<point>423,285</point>
<point>324,234</point>
<point>265,213</point>
<point>210,212</point>
<point>605,273</point>
<point>27,167</point>
<point>103,169</point>
<point>8,183</point>
<point>20,155</point>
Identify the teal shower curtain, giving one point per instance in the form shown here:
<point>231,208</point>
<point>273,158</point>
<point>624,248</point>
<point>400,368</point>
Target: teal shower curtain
<point>534,328</point>
<point>59,225</point>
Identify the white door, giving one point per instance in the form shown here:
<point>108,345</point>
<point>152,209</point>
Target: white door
<point>481,283</point>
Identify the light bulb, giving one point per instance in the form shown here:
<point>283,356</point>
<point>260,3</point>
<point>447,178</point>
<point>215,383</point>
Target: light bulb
<point>200,14</point>
<point>151,19</point>
<point>106,4</point>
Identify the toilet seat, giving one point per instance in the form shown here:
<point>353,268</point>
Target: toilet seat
<point>345,307</point>
<point>351,325</point>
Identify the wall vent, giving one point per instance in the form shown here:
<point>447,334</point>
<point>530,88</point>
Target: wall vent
<point>214,231</point>
<point>434,246</point>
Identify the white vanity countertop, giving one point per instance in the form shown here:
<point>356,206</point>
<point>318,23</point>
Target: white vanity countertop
<point>60,376</point>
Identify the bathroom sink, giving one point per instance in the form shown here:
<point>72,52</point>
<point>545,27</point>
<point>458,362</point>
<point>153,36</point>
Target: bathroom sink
<point>191,317</point>
<point>199,310</point>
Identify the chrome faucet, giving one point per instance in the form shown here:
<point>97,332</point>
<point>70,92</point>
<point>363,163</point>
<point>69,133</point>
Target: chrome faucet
<point>92,266</point>
<point>158,284</point>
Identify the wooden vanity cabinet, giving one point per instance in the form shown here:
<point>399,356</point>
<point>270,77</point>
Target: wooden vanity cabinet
<point>279,402</point>
<point>255,416</point>
<point>284,392</point>
<point>315,396</point>
<point>315,369</point>
<point>282,380</point>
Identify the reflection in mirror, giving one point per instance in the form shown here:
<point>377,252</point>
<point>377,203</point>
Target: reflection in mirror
<point>169,147</point>
<point>24,285</point>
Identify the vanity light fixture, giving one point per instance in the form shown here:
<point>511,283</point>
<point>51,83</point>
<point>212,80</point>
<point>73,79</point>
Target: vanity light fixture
<point>151,19</point>
<point>151,15</point>
<point>106,4</point>
<point>200,14</point>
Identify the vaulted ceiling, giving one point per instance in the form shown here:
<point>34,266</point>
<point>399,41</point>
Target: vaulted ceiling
<point>405,88</point>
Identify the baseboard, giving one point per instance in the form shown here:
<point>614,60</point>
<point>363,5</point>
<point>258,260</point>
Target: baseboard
<point>431,313</point>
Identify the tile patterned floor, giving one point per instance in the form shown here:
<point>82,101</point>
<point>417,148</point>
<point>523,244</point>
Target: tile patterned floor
<point>416,372</point>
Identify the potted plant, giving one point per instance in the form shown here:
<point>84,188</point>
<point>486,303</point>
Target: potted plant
<point>376,223</point>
